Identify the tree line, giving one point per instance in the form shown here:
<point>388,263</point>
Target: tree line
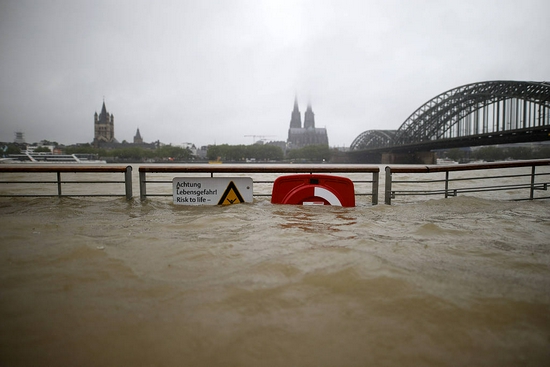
<point>267,152</point>
<point>134,153</point>
<point>224,152</point>
<point>236,153</point>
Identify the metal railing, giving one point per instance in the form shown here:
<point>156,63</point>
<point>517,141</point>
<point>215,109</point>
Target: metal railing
<point>257,169</point>
<point>428,184</point>
<point>67,168</point>
<point>452,186</point>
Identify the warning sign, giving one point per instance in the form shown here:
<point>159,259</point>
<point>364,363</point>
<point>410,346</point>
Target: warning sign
<point>212,190</point>
<point>231,195</point>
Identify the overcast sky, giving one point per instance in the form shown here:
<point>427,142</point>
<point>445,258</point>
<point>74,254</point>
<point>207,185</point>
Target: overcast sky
<point>210,72</point>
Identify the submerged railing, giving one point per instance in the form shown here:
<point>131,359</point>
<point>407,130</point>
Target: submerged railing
<point>67,168</point>
<point>447,181</point>
<point>256,169</point>
<point>454,186</point>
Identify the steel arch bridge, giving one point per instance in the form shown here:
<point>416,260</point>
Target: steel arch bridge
<point>477,111</point>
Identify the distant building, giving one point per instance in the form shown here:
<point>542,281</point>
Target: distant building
<point>104,133</point>
<point>19,138</point>
<point>191,147</point>
<point>137,138</point>
<point>298,136</point>
<point>104,127</point>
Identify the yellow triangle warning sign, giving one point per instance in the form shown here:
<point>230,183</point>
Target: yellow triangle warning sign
<point>231,195</point>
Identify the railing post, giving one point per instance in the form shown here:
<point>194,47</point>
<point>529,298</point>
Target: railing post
<point>375,182</point>
<point>128,182</point>
<point>142,188</point>
<point>446,184</point>
<point>532,190</point>
<point>387,193</point>
<point>58,183</point>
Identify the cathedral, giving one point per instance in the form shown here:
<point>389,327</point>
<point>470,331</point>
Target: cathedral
<point>299,136</point>
<point>104,127</point>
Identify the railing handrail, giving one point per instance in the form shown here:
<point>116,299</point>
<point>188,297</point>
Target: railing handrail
<point>56,167</point>
<point>259,168</point>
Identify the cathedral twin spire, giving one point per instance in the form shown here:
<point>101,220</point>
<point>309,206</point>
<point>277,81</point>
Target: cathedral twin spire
<point>299,136</point>
<point>309,118</point>
<point>296,119</point>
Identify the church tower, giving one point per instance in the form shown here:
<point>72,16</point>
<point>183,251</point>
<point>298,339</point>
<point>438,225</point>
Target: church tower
<point>296,118</point>
<point>137,138</point>
<point>309,118</point>
<point>104,127</point>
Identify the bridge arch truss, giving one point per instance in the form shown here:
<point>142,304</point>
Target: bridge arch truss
<point>484,108</point>
<point>373,139</point>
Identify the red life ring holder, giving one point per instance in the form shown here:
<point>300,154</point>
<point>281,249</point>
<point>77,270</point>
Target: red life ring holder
<point>313,190</point>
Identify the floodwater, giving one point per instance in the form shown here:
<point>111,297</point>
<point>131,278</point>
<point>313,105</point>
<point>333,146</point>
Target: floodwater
<point>462,281</point>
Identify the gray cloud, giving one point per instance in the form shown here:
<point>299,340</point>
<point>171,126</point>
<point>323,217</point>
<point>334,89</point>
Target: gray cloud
<point>214,71</point>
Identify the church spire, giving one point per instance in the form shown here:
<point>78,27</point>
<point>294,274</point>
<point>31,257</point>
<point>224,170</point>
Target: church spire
<point>309,117</point>
<point>103,116</point>
<point>137,138</point>
<point>296,119</point>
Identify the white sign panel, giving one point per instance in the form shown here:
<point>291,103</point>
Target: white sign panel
<point>212,190</point>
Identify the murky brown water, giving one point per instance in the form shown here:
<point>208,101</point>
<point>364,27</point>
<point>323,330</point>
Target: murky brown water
<point>104,282</point>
